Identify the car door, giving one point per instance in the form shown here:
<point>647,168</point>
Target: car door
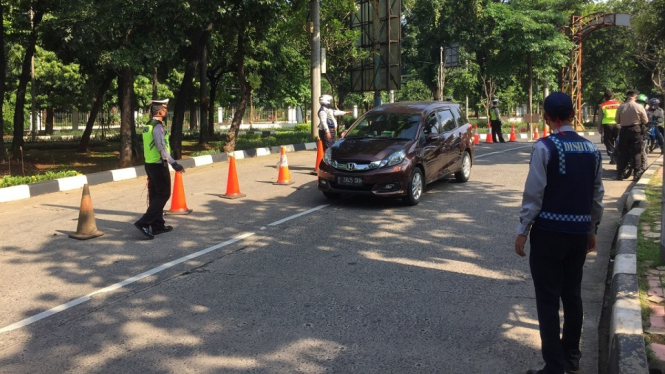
<point>430,141</point>
<point>450,140</point>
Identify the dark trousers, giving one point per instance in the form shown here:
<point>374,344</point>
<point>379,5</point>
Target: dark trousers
<point>327,143</point>
<point>159,192</point>
<point>497,136</point>
<point>630,147</point>
<point>610,133</point>
<point>556,262</point>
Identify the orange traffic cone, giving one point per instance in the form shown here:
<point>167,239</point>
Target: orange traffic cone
<point>488,138</point>
<point>319,157</point>
<point>178,203</point>
<point>535,132</point>
<point>232,186</point>
<point>476,137</point>
<point>284,176</point>
<point>512,134</point>
<point>87,228</point>
<point>546,131</point>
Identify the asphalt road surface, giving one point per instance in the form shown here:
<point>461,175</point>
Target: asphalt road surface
<point>284,280</point>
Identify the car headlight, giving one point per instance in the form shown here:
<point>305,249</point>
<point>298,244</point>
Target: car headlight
<point>393,159</point>
<point>327,156</point>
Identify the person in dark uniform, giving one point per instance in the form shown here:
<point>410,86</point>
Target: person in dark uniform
<point>328,122</point>
<point>561,209</point>
<point>495,122</point>
<point>631,116</point>
<point>157,154</point>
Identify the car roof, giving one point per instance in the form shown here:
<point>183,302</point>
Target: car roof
<point>413,106</point>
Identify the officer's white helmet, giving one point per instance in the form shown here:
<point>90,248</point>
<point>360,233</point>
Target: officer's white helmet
<point>325,99</point>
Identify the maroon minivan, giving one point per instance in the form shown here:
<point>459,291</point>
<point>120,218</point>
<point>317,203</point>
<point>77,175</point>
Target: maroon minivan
<point>394,150</point>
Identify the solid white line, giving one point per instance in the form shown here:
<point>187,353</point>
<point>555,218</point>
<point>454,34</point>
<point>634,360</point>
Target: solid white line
<point>118,285</point>
<point>297,215</point>
<point>505,150</point>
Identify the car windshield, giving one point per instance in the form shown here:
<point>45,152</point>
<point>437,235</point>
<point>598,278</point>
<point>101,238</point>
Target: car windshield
<point>386,126</point>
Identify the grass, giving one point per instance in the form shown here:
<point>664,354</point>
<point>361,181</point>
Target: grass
<point>648,252</point>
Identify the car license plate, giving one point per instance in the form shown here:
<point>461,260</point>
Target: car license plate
<point>350,181</point>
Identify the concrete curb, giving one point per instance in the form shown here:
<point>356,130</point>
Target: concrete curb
<point>26,191</point>
<point>627,354</point>
<point>526,136</point>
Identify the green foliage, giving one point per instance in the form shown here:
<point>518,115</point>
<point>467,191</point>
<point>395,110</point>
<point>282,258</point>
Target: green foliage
<point>9,181</point>
<point>281,138</point>
<point>303,127</point>
<point>413,90</point>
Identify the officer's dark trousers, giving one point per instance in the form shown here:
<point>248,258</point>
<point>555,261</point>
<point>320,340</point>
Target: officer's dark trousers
<point>327,143</point>
<point>159,191</point>
<point>556,262</point>
<point>497,136</point>
<point>610,133</point>
<point>630,147</point>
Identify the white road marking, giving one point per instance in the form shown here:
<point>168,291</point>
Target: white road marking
<point>297,215</point>
<point>113,287</point>
<point>504,151</point>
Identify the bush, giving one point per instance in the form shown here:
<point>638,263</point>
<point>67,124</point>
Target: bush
<point>258,141</point>
<point>203,153</point>
<point>302,127</point>
<point>9,181</point>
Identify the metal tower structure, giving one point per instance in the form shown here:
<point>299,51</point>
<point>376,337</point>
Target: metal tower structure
<point>579,29</point>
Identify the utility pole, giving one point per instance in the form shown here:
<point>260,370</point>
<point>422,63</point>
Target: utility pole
<point>440,75</point>
<point>315,11</point>
<point>33,89</point>
<point>466,99</point>
<point>377,56</point>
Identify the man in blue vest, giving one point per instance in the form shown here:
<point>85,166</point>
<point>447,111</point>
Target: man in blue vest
<point>561,209</point>
<point>157,152</point>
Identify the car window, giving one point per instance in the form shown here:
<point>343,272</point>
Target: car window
<point>381,125</point>
<point>447,120</point>
<point>460,118</point>
<point>431,125</point>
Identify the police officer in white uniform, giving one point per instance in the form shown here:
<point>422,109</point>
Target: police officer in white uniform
<point>328,122</point>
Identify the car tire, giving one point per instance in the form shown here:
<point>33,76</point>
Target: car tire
<point>415,187</point>
<point>464,173</point>
<point>332,195</point>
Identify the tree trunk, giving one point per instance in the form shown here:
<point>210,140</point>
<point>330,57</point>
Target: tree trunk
<point>97,103</point>
<point>3,76</point>
<point>50,119</point>
<point>184,92</point>
<point>125,89</point>
<point>193,118</point>
<point>154,84</point>
<point>19,116</point>
<point>211,108</point>
<point>245,93</point>
<point>203,99</point>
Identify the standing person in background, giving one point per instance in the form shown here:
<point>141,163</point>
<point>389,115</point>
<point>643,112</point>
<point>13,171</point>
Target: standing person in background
<point>328,122</point>
<point>631,116</point>
<point>157,154</point>
<point>561,209</point>
<point>495,122</point>
<point>656,116</point>
<point>607,124</point>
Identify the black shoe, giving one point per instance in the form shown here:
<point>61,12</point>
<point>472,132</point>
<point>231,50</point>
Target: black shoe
<point>637,176</point>
<point>145,230</point>
<point>619,177</point>
<point>161,230</point>
<point>612,162</point>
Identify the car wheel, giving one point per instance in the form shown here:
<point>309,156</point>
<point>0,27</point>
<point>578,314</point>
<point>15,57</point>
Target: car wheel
<point>332,195</point>
<point>465,172</point>
<point>415,187</point>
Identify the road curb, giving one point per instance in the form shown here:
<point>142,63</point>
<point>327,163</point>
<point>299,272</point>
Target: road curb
<point>26,191</point>
<point>526,136</point>
<point>627,352</point>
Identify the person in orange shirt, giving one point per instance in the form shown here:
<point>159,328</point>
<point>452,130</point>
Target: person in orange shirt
<point>607,123</point>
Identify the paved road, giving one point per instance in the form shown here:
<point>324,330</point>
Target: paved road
<point>355,285</point>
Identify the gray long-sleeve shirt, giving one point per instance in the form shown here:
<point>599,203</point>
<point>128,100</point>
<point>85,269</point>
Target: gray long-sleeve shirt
<point>158,132</point>
<point>536,181</point>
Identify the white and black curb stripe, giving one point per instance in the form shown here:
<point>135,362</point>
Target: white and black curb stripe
<point>27,191</point>
<point>627,353</point>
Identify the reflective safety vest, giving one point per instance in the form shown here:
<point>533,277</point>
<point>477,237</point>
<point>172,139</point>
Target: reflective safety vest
<point>493,114</point>
<point>150,150</point>
<point>609,109</point>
